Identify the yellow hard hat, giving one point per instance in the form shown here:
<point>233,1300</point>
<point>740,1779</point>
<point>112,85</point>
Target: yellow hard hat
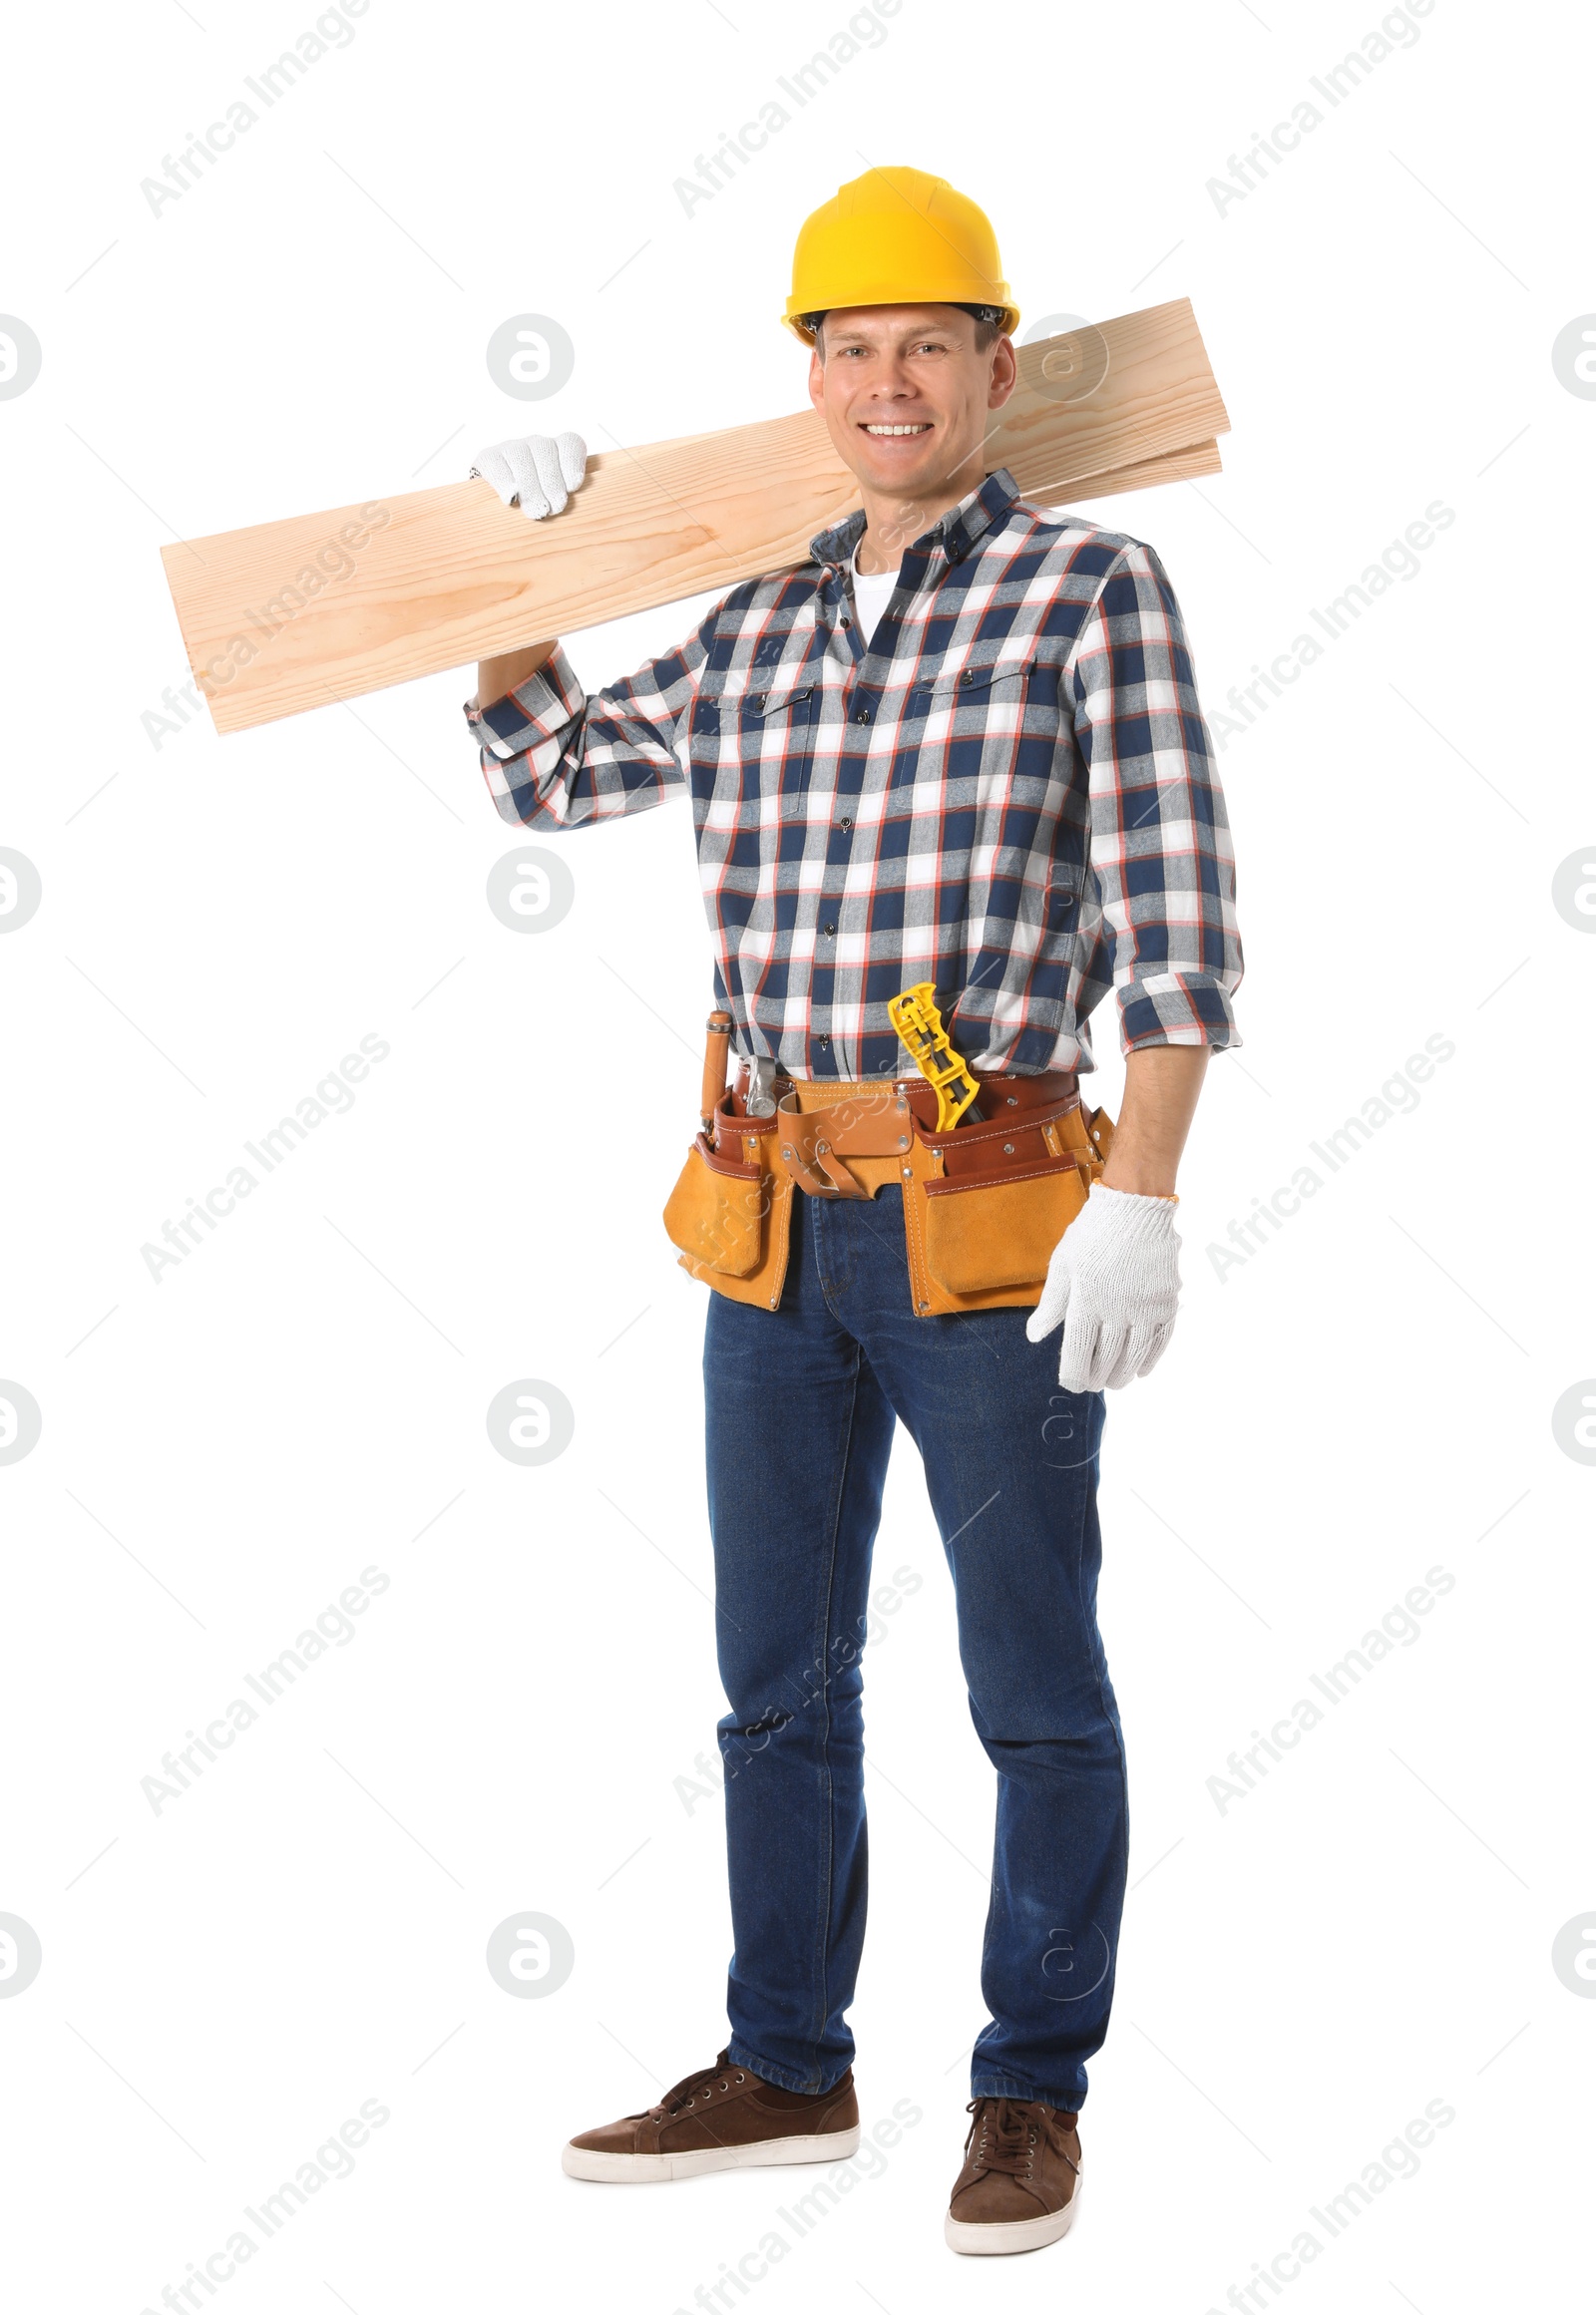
<point>896,237</point>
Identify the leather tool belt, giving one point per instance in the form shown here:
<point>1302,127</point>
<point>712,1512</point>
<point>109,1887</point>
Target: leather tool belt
<point>985,1204</point>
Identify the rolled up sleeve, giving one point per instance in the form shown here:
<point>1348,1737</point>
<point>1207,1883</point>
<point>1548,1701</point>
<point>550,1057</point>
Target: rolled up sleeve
<point>556,757</point>
<point>1160,847</point>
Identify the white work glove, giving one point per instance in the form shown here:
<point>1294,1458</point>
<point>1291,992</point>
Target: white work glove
<point>537,471</point>
<point>1114,1279</point>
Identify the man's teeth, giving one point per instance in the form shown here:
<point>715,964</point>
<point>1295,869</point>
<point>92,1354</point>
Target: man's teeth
<point>922,427</point>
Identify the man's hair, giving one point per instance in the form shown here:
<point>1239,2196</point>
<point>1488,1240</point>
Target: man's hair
<point>988,319</point>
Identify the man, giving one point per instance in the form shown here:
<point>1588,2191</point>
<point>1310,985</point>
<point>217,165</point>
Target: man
<point>961,744</point>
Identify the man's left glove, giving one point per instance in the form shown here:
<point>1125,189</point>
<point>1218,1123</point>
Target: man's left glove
<point>536,472</point>
<point>1114,1280</point>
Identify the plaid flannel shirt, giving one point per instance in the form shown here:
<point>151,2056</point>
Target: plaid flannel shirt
<point>1009,793</point>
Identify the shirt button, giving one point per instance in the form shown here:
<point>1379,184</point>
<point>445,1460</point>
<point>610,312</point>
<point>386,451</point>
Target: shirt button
<point>862,715</point>
<point>845,821</point>
<point>823,1041</point>
<point>828,930</point>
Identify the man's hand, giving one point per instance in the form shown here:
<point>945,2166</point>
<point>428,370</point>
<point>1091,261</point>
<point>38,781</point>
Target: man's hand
<point>537,471</point>
<point>1114,1280</point>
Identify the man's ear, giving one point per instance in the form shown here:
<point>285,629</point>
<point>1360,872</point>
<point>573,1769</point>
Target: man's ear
<point>817,380</point>
<point>1004,374</point>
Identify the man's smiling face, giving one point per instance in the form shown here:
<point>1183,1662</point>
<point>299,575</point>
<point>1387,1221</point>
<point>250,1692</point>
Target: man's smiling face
<point>906,397</point>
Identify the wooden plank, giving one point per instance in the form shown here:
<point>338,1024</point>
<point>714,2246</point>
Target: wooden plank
<point>1175,466</point>
<point>292,615</point>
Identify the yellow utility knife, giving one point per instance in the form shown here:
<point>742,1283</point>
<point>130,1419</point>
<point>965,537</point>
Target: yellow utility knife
<point>915,1016</point>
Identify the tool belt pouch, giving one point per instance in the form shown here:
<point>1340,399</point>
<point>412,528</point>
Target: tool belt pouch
<point>730,1213</point>
<point>987,1204</point>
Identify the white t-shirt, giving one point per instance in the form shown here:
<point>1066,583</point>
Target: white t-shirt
<point>873,590</point>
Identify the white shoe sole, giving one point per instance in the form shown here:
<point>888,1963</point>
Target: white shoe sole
<point>653,2169</point>
<point>1020,2234</point>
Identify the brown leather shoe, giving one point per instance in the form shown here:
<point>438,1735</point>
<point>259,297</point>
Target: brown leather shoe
<point>1021,2183</point>
<point>720,2118</point>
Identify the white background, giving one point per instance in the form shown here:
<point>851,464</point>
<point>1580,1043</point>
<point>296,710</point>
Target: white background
<point>1367,1397</point>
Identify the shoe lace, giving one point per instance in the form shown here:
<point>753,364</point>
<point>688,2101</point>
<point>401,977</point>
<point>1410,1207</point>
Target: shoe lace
<point>692,2087</point>
<point>1006,2132</point>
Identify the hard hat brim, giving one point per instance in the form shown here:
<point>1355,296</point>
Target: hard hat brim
<point>997,297</point>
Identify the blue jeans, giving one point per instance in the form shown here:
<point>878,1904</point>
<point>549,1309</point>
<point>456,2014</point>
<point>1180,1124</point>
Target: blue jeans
<point>801,1404</point>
